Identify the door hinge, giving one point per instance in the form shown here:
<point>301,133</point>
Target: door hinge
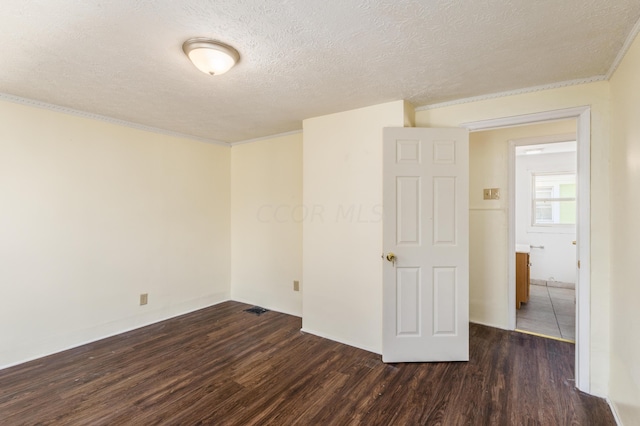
<point>578,264</point>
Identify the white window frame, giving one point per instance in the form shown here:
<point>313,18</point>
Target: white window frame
<point>554,212</point>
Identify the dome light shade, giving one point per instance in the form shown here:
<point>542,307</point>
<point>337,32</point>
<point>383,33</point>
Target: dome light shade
<point>210,56</point>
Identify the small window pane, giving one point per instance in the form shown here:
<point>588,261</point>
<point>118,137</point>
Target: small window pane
<point>554,199</point>
<point>555,212</point>
<point>544,213</point>
<point>544,192</point>
<point>567,190</point>
<point>567,214</point>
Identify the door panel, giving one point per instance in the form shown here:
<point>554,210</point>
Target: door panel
<point>444,301</point>
<point>426,227</point>
<point>408,290</point>
<point>408,206</point>
<point>444,210</point>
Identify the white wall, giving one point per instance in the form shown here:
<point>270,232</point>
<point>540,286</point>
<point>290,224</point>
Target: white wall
<point>625,238</point>
<point>342,236</point>
<point>557,261</point>
<point>266,223</point>
<point>596,95</point>
<point>91,216</point>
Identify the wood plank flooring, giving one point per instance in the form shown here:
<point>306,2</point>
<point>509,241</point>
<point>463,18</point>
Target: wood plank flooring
<point>224,366</point>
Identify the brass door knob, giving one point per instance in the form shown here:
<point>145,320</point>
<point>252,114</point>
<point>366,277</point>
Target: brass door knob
<point>391,257</point>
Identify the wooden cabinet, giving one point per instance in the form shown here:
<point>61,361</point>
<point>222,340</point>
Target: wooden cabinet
<point>522,278</point>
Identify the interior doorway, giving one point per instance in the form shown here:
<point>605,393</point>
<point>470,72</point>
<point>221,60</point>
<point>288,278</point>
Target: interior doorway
<point>545,234</point>
<point>582,115</point>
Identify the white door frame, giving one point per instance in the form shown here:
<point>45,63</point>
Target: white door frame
<point>583,228</point>
<point>536,140</point>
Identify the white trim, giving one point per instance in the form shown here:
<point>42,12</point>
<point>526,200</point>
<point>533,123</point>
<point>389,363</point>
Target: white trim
<point>583,237</point>
<point>484,209</point>
<point>511,245</point>
<point>249,302</point>
<point>518,120</point>
<point>513,92</point>
<point>583,289</point>
<point>623,50</point>
<point>262,138</point>
<point>614,411</point>
<point>64,110</point>
<point>344,342</point>
<point>176,311</point>
<point>486,324</point>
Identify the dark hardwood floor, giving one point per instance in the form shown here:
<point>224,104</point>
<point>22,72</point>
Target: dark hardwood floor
<point>224,366</point>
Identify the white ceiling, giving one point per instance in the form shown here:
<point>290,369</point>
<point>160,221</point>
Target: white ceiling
<point>299,58</point>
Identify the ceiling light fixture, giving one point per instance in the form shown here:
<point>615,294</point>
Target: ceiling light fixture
<point>210,56</point>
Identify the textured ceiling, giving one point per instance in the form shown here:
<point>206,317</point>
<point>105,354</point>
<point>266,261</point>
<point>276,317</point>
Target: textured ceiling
<point>299,58</point>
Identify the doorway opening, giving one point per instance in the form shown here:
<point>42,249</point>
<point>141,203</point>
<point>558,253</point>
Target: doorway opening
<point>582,117</point>
<point>545,234</point>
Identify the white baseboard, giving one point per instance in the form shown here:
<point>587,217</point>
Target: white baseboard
<point>616,417</point>
<point>266,306</point>
<point>344,342</point>
<point>473,321</point>
<point>104,331</point>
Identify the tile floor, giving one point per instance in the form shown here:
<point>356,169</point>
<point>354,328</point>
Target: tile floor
<point>550,311</point>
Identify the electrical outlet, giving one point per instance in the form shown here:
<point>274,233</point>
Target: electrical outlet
<point>296,286</point>
<point>144,299</point>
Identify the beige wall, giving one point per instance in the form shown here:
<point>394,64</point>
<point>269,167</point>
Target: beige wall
<point>489,219</point>
<point>596,95</point>
<point>266,223</point>
<point>625,236</point>
<point>93,214</point>
<point>342,236</point>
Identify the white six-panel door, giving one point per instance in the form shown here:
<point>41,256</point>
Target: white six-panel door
<point>426,245</point>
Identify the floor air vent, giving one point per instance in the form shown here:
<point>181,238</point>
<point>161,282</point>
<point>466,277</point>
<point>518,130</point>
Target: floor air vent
<point>257,310</point>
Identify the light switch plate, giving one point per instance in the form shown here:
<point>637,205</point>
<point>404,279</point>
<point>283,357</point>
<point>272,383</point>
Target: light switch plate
<point>491,193</point>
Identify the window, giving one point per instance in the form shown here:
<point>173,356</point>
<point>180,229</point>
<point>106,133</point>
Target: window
<point>554,199</point>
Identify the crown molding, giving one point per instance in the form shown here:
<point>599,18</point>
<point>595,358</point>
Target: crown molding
<point>623,50</point>
<point>262,138</point>
<point>513,92</point>
<point>57,108</point>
